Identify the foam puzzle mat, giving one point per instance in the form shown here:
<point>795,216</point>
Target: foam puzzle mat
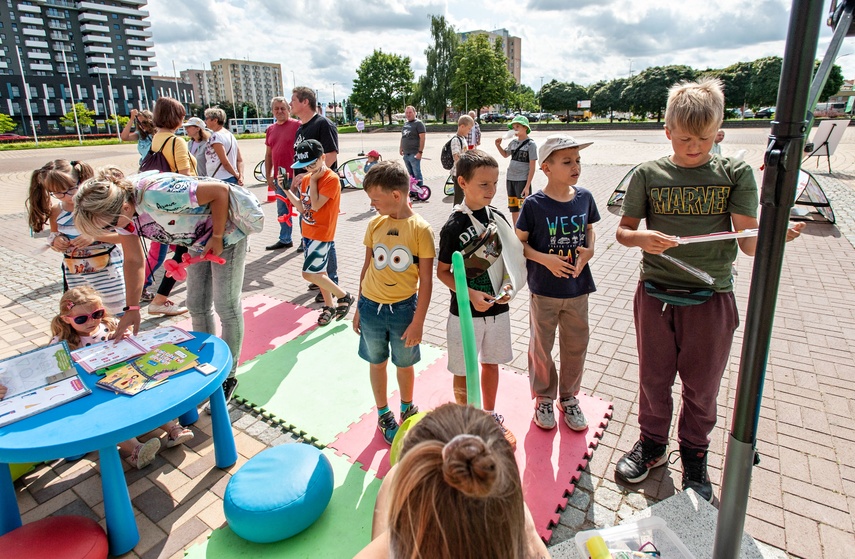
<point>550,462</point>
<point>263,316</point>
<point>343,529</point>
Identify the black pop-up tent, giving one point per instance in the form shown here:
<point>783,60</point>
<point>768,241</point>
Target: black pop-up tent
<point>796,94</point>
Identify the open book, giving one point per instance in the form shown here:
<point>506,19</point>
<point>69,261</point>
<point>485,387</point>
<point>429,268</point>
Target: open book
<point>28,389</point>
<point>148,370</point>
<point>97,357</point>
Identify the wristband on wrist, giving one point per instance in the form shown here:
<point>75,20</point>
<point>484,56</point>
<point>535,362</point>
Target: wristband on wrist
<point>217,236</point>
<point>131,308</point>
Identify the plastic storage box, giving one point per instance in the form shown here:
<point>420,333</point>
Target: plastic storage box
<point>632,536</point>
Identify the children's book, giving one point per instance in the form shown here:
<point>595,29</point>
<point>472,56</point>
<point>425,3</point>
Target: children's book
<point>98,358</point>
<point>28,389</point>
<point>148,370</point>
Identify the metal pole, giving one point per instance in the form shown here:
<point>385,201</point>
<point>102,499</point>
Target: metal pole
<point>112,103</point>
<point>783,157</point>
<point>27,97</point>
<point>335,121</point>
<point>71,93</point>
<point>142,79</point>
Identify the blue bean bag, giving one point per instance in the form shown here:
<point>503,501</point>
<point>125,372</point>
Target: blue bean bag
<point>279,493</point>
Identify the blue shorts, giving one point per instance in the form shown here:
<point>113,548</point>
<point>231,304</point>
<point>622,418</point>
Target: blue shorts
<point>381,327</point>
<point>316,255</point>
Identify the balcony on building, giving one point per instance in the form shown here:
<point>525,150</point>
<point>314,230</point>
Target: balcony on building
<point>34,32</point>
<point>39,55</point>
<point>41,66</point>
<point>136,22</point>
<point>88,16</point>
<point>95,70</point>
<point>3,64</point>
<point>142,53</point>
<point>94,49</point>
<point>139,43</point>
<point>94,28</point>
<point>93,60</point>
<point>115,9</point>
<point>57,36</point>
<point>137,63</point>
<point>29,20</point>
<point>36,44</point>
<point>138,32</point>
<point>96,39</point>
<point>29,8</point>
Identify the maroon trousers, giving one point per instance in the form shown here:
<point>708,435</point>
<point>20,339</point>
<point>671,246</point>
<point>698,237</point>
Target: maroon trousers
<point>692,341</point>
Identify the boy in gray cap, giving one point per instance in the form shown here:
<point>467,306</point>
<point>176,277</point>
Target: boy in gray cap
<point>556,228</point>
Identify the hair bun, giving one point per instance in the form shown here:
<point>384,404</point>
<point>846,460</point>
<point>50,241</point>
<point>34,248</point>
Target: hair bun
<point>469,465</point>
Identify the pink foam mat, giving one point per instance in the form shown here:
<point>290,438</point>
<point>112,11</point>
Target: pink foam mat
<point>268,323</point>
<point>550,462</point>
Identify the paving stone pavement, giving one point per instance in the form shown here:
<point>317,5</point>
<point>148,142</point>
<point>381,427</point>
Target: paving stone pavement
<point>803,491</point>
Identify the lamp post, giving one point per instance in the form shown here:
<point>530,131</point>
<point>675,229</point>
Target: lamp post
<point>466,105</point>
<point>540,94</point>
<point>335,120</point>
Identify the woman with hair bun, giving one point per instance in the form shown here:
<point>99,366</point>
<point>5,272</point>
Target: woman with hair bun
<point>455,493</point>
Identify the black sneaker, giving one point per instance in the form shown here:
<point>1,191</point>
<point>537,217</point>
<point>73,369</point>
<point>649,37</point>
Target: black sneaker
<point>229,387</point>
<point>637,463</point>
<point>319,298</point>
<point>388,426</point>
<point>695,472</point>
<point>313,287</point>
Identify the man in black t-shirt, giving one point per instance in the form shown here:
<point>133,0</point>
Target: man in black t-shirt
<point>304,105</point>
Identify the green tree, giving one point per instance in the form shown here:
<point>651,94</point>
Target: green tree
<point>648,91</point>
<point>561,96</point>
<point>6,123</point>
<point>833,84</point>
<point>436,83</point>
<point>764,81</point>
<point>481,77</point>
<point>85,117</point>
<point>123,120</point>
<point>736,80</point>
<point>383,82</point>
<point>522,98</point>
<point>608,97</point>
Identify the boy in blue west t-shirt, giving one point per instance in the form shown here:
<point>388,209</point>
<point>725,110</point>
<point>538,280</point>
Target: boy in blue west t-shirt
<point>556,228</point>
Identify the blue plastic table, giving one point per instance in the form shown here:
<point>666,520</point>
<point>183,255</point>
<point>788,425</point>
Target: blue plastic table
<point>101,420</point>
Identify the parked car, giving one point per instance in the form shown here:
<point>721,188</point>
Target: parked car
<point>765,112</point>
<point>12,137</point>
<point>493,117</point>
<point>748,113</point>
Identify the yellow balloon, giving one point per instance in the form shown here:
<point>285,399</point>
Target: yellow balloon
<point>395,452</point>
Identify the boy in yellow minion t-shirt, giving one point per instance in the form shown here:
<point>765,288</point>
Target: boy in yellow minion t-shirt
<point>395,289</point>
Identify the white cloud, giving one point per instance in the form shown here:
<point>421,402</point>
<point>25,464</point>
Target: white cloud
<point>323,41</point>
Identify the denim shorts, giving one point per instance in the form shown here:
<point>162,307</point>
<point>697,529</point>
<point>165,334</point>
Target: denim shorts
<point>381,327</point>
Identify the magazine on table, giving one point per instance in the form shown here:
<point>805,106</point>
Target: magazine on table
<point>98,358</point>
<point>29,380</point>
<point>148,370</point>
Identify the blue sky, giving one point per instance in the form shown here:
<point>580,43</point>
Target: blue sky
<point>320,42</point>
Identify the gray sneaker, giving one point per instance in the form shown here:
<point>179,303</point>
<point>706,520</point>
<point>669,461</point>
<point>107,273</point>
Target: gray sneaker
<point>544,415</point>
<point>573,416</point>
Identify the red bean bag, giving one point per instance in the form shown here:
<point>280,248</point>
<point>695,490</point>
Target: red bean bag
<point>57,537</point>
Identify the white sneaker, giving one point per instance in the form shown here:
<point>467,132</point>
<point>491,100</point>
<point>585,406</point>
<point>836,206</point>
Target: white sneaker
<point>544,415</point>
<point>144,453</point>
<point>573,416</point>
<point>168,308</point>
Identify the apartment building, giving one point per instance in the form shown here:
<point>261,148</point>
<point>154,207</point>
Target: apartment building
<point>106,45</point>
<point>238,81</point>
<point>512,47</point>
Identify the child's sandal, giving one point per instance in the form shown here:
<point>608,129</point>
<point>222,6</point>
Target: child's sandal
<point>326,316</point>
<point>178,435</point>
<point>343,306</point>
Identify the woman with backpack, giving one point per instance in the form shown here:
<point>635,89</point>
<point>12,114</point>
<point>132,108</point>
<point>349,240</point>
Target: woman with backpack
<point>168,153</point>
<point>144,129</point>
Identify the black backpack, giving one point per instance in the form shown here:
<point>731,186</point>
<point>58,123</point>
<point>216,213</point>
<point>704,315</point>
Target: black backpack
<point>156,161</point>
<point>445,156</point>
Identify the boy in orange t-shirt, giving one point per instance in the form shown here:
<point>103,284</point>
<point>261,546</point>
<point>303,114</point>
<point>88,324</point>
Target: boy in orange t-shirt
<point>318,204</point>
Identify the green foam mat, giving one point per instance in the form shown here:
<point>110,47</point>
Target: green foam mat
<point>343,529</point>
<point>316,385</point>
